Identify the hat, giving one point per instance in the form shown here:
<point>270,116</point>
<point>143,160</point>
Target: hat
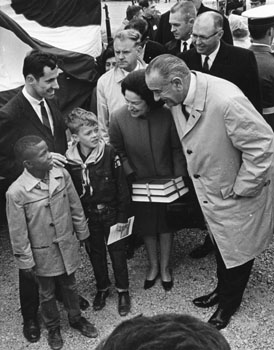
<point>260,17</point>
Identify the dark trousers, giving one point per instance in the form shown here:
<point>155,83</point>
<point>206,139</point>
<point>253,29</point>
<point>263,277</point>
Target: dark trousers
<point>29,297</point>
<point>49,310</point>
<point>231,282</point>
<point>99,226</point>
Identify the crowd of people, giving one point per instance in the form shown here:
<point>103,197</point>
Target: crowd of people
<point>175,98</point>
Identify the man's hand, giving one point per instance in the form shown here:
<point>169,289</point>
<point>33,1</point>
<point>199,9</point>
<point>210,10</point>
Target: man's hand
<point>29,274</point>
<point>86,242</point>
<point>58,159</point>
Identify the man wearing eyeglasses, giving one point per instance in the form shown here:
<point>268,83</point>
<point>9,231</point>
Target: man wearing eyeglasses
<point>213,56</point>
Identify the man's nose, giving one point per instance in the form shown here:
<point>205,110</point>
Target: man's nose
<point>55,84</point>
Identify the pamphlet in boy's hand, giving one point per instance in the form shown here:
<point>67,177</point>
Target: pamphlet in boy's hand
<point>116,235</point>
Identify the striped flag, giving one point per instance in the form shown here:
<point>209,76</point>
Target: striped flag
<point>70,29</point>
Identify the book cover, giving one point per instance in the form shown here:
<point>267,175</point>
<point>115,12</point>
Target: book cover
<point>158,191</point>
<point>160,199</point>
<point>162,183</point>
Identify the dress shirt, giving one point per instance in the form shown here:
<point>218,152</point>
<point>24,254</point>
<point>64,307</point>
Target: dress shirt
<point>212,57</point>
<point>188,42</point>
<point>37,108</point>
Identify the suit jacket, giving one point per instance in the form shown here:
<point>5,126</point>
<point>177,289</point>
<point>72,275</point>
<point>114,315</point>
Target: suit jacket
<point>152,50</point>
<point>229,149</point>
<point>234,64</point>
<point>18,119</point>
<point>164,34</point>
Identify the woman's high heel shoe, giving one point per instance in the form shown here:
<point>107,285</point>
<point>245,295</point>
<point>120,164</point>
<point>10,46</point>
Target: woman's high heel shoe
<point>150,283</point>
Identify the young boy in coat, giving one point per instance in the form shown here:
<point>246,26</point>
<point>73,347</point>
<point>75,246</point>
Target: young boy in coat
<point>45,218</point>
<point>98,177</point>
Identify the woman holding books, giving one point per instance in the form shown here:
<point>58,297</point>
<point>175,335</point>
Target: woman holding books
<point>149,148</point>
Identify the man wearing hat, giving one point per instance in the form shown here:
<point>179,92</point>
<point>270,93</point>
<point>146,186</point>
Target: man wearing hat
<point>261,27</point>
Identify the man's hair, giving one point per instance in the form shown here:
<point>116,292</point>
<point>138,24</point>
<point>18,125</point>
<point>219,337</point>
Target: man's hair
<point>163,332</point>
<point>140,25</point>
<point>135,82</point>
<point>218,20</point>
<point>187,9</point>
<point>130,34</point>
<point>24,145</point>
<point>258,32</point>
<point>144,3</point>
<point>132,10</point>
<point>36,60</point>
<point>168,66</point>
<point>79,117</point>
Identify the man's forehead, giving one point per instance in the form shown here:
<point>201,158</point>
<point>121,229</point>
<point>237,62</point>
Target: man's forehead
<point>125,43</point>
<point>154,79</point>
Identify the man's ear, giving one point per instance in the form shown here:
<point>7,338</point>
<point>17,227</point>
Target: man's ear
<point>30,79</point>
<point>177,83</point>
<point>27,164</point>
<point>221,33</point>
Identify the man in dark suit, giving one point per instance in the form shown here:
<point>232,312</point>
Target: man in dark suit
<point>32,111</point>
<point>261,28</point>
<point>235,64</point>
<point>182,16</point>
<point>164,34</point>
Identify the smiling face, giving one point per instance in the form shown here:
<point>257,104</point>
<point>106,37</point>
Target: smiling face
<point>126,53</point>
<point>136,105</point>
<point>172,93</point>
<point>181,27</point>
<point>88,136</point>
<point>45,86</point>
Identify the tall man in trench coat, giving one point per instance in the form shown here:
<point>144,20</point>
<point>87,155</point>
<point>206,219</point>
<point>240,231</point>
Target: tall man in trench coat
<point>229,151</point>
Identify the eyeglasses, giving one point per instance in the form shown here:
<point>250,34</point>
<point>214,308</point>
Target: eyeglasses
<point>202,37</point>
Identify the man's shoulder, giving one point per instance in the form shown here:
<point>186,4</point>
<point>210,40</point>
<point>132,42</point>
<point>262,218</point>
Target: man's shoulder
<point>14,103</point>
<point>189,54</point>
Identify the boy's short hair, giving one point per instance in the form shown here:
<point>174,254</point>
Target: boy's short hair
<point>23,146</point>
<point>79,117</point>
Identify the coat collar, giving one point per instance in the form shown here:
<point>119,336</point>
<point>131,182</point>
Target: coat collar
<point>30,181</point>
<point>260,48</point>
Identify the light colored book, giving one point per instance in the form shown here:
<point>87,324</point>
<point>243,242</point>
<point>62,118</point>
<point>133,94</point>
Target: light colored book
<point>158,192</point>
<point>116,235</point>
<point>160,199</point>
<point>162,183</point>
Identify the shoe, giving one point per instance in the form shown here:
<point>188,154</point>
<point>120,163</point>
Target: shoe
<point>123,303</point>
<point>207,300</point>
<point>221,317</point>
<point>100,300</point>
<point>150,283</point>
<point>31,330</point>
<point>203,250</point>
<point>85,328</point>
<point>167,285</point>
<point>84,304</point>
<point>55,340</point>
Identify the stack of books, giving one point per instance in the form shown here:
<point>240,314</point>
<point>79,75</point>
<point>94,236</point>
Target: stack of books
<point>161,190</point>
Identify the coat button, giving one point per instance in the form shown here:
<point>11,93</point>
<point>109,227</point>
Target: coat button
<point>188,151</point>
<point>196,176</point>
<point>51,224</point>
<point>205,202</point>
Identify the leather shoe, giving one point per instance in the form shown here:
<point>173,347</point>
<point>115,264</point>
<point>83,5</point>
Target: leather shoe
<point>84,304</point>
<point>100,300</point>
<point>221,317</point>
<point>31,330</point>
<point>167,285</point>
<point>207,300</point>
<point>123,303</point>
<point>55,340</point>
<point>203,250</point>
<point>150,283</point>
<point>85,328</point>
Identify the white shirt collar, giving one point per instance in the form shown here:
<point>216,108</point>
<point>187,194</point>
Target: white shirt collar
<point>33,101</point>
<point>212,56</point>
<point>188,41</point>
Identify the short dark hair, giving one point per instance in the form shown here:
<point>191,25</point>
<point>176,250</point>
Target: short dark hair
<point>132,11</point>
<point>135,82</point>
<point>108,53</point>
<point>259,32</point>
<point>144,3</point>
<point>79,117</point>
<point>24,145</point>
<point>36,60</point>
<point>140,25</point>
<point>162,332</point>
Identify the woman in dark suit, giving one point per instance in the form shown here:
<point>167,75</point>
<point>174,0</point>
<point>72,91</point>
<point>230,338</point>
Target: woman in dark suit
<point>149,148</point>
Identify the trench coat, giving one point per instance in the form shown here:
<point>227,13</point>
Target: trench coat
<point>44,224</point>
<point>229,150</point>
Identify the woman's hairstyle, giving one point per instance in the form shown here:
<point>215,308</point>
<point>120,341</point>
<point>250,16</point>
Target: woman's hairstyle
<point>108,53</point>
<point>135,82</point>
<point>80,117</point>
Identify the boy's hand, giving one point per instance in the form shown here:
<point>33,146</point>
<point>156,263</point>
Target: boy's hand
<point>29,274</point>
<point>87,244</point>
<point>58,159</point>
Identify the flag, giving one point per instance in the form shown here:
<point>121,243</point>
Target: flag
<point>70,29</point>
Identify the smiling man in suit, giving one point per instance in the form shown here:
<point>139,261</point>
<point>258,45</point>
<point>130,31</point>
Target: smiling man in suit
<point>33,111</point>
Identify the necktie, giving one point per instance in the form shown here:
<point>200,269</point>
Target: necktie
<point>185,46</point>
<point>45,116</point>
<point>186,114</point>
<point>205,65</point>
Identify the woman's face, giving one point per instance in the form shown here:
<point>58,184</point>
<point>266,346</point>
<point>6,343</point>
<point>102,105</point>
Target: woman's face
<point>110,63</point>
<point>136,105</point>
